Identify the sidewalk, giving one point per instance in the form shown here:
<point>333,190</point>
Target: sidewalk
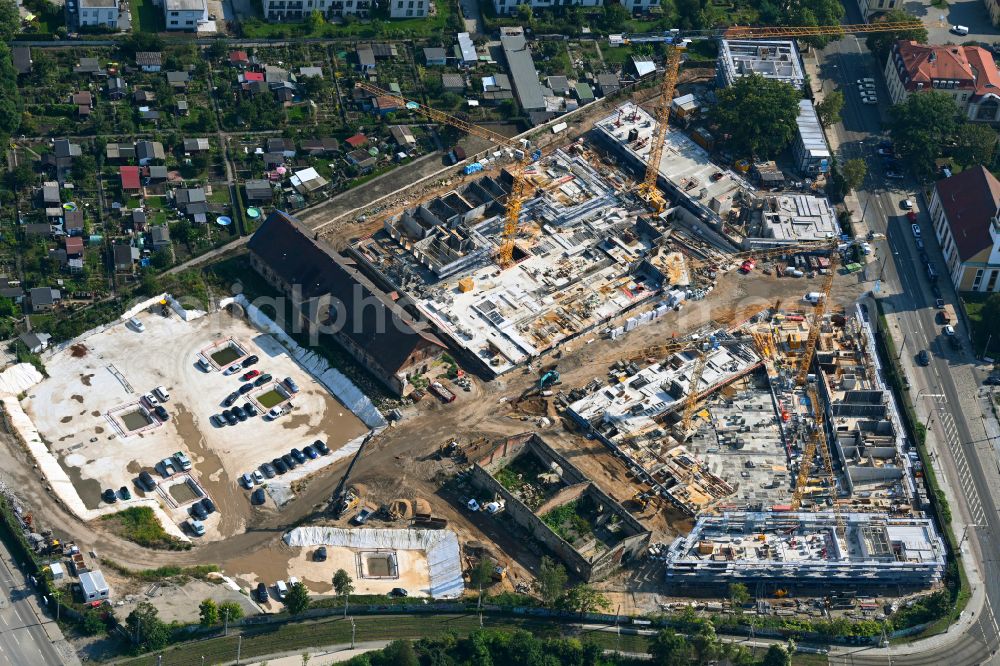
<point>321,656</point>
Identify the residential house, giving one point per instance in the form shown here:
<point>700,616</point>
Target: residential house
<point>639,67</point>
<point>632,6</point>
<point>143,96</point>
<point>520,65</point>
<point>11,289</point>
<point>965,214</point>
<point>434,56</point>
<point>43,299</point>
<point>154,173</point>
<point>332,295</point>
<point>465,50</point>
<point>295,10</point>
<point>73,222</point>
<point>357,141</point>
<point>409,8</point>
<point>50,194</point>
<point>284,91</point>
<point>160,236</point>
<point>869,8</point>
<point>35,341</point>
<point>307,180</point>
<point>453,83</point>
<point>403,137</point>
<point>21,58</point>
<point>361,159</point>
<point>810,150</point>
<point>116,87</point>
<point>584,93</point>
<point>192,202</point>
<point>273,160</point>
<point>274,74</point>
<point>130,178</point>
<point>98,13</point>
<point>384,51</point>
<point>181,107</point>
<point>384,105</point>
<point>282,145</point>
<point>258,191</point>
<point>559,85</point>
<point>84,102</point>
<point>149,151</point>
<point>239,59</point>
<point>148,115</point>
<point>309,72</point>
<point>38,229</point>
<point>88,67</point>
<point>196,145</point>
<point>149,61</point>
<point>124,152</point>
<point>178,80</point>
<point>139,220</point>
<point>73,245</point>
<point>497,88</point>
<point>317,147</point>
<point>124,257</point>
<point>366,58</point>
<point>608,84</point>
<point>64,148</point>
<point>185,14</point>
<point>967,73</point>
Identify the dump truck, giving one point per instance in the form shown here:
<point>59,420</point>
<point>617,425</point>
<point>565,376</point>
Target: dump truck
<point>442,392</point>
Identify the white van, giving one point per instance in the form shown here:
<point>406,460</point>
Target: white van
<point>161,393</point>
<point>813,297</point>
<point>282,589</point>
<point>136,324</point>
<point>960,29</point>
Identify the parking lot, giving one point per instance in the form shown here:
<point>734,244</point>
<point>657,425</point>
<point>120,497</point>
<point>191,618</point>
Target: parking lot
<point>93,413</point>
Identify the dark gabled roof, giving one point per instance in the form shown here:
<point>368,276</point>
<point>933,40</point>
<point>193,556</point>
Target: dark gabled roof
<point>970,200</point>
<point>288,249</point>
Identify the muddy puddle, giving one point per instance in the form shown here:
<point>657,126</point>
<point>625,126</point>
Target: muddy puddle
<point>88,489</point>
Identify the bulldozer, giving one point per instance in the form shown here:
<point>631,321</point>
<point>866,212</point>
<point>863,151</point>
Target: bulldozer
<point>352,499</point>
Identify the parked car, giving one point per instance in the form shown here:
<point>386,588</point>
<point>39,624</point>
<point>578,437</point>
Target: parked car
<point>257,497</point>
<point>275,412</point>
<point>182,460</point>
<point>250,360</point>
<point>292,386</point>
<point>260,594</point>
<point>281,588</point>
<point>203,365</point>
<point>279,465</point>
<point>208,505</point>
<point>239,413</point>
<point>319,555</point>
<point>250,409</point>
<point>939,303</point>
<point>321,447</point>
<point>233,369</point>
<point>298,455</point>
<point>263,379</point>
<point>916,230</point>
<point>398,592</point>
<point>161,413</point>
<point>310,452</point>
<point>906,204</point>
<point>124,493</point>
<point>923,358</point>
<point>949,330</point>
<point>109,496</point>
<point>161,393</point>
<point>217,420</point>
<point>198,511</point>
<point>146,481</point>
<point>250,375</point>
<point>230,417</point>
<point>289,461</point>
<point>136,325</point>
<point>246,481</point>
<point>246,388</point>
<point>960,30</point>
<point>268,470</point>
<point>196,526</point>
<point>150,400</point>
<point>230,399</point>
<point>168,467</point>
<point>257,477</point>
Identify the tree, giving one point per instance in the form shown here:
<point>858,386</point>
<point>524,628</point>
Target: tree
<point>551,580</point>
<point>880,43</point>
<point>297,599</point>
<point>230,611</point>
<point>20,177</point>
<point>738,594</point>
<point>776,655</point>
<point>706,644</point>
<point>829,109</point>
<point>991,316</point>
<point>10,20</point>
<point>217,49</point>
<point>921,126</point>
<point>398,653</point>
<point>482,574</point>
<point>583,599</point>
<point>670,649</point>
<point>342,583</point>
<point>138,42</point>
<point>758,115</point>
<point>525,14</point>
<point>614,16</point>
<point>975,143</point>
<point>208,611</point>
<point>854,172</point>
<point>146,629</point>
<point>93,622</point>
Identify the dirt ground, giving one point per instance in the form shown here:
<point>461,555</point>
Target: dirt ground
<point>113,368</point>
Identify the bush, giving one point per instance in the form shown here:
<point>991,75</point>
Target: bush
<point>139,525</point>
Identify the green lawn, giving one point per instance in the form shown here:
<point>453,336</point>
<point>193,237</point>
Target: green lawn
<point>615,55</point>
<point>980,333</point>
<point>146,17</point>
<point>270,399</point>
<point>379,26</point>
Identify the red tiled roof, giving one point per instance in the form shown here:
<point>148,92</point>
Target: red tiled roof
<point>357,140</point>
<point>74,245</point>
<point>970,199</point>
<point>971,66</point>
<point>384,102</point>
<point>253,76</point>
<point>238,56</point>
<point>130,177</point>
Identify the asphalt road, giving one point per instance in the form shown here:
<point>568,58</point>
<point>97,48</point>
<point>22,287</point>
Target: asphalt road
<point>22,638</point>
<point>946,389</point>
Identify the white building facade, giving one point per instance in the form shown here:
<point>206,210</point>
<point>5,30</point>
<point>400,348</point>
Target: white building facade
<point>99,13</point>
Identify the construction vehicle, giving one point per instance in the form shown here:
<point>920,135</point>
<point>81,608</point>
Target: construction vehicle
<point>441,391</point>
<point>548,378</point>
<point>341,501</point>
